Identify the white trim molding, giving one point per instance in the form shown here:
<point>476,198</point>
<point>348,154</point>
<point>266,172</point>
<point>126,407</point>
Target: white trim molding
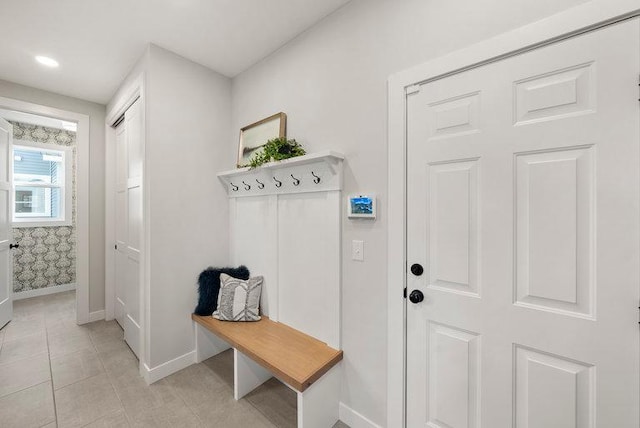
<point>43,291</point>
<point>355,419</point>
<point>82,193</point>
<point>572,22</point>
<point>96,315</point>
<point>163,370</point>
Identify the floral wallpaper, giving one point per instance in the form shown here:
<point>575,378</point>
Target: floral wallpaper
<point>47,255</point>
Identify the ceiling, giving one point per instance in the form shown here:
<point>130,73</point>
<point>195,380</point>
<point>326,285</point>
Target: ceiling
<point>97,42</point>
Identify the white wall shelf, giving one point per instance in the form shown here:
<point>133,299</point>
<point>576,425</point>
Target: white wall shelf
<point>316,172</point>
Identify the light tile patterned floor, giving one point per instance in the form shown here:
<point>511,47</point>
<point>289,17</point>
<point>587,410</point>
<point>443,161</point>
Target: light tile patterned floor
<point>56,373</point>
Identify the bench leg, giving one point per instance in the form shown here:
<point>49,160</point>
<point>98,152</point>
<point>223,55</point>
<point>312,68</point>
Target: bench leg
<point>208,344</point>
<point>318,404</point>
<point>247,375</point>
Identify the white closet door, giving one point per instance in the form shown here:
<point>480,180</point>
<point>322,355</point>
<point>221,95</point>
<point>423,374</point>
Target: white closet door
<point>129,163</point>
<point>121,224</point>
<point>6,233</point>
<point>523,209</point>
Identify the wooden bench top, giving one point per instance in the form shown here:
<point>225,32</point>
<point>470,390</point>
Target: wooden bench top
<point>292,356</point>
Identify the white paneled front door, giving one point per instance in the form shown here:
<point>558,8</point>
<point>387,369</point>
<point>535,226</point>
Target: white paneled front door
<point>523,210</point>
<point>6,234</point>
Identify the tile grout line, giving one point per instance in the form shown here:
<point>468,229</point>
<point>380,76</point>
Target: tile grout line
<point>80,380</point>
<point>24,389</point>
<point>104,372</point>
<point>186,404</point>
<point>26,358</point>
<point>53,393</point>
<point>115,390</point>
<point>24,336</point>
<point>22,358</point>
<point>44,354</point>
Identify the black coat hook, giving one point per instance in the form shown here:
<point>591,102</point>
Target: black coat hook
<point>246,186</point>
<point>295,180</point>
<point>260,184</point>
<point>316,179</point>
<point>234,187</point>
<point>278,182</point>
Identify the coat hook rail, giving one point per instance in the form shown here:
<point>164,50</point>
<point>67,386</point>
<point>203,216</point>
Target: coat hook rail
<point>278,182</point>
<point>316,179</point>
<point>295,180</point>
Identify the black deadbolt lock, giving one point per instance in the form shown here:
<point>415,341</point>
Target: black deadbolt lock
<point>417,269</point>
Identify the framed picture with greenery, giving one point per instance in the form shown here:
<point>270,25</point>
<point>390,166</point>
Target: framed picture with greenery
<point>253,137</point>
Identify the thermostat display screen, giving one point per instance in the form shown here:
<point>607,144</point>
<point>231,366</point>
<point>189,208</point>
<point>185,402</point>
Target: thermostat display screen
<point>362,206</point>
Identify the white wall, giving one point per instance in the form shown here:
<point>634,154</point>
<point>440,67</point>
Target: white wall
<point>187,115</point>
<point>187,142</point>
<point>331,82</point>
<point>96,113</point>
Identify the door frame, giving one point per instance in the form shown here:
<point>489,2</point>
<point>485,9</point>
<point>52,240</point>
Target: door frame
<point>82,194</point>
<point>573,22</point>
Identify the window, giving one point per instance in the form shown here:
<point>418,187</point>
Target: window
<point>41,185</point>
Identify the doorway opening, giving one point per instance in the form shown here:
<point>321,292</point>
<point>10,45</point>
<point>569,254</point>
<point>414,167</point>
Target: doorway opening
<point>43,195</point>
<point>48,205</point>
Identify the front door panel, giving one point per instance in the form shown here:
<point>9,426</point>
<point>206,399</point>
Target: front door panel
<point>523,208</point>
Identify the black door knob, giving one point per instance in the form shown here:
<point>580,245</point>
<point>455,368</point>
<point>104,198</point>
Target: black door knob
<point>416,296</point>
<point>12,246</point>
<point>417,269</point>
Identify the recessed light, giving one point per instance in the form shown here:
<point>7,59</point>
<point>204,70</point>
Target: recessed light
<point>49,62</point>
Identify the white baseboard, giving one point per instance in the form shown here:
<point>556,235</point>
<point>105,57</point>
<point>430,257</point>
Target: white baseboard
<point>355,419</point>
<point>19,295</point>
<point>156,373</point>
<point>96,316</point>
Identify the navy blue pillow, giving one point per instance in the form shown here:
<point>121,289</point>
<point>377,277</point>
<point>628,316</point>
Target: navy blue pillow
<point>209,287</point>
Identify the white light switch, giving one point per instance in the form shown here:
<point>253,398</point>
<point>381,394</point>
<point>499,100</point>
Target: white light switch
<point>357,250</point>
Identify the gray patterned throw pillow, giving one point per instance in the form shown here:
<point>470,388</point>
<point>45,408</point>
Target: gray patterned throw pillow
<point>238,300</point>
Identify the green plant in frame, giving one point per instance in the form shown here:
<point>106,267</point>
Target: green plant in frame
<point>276,149</point>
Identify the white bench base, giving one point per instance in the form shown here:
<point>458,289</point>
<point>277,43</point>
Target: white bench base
<point>247,375</point>
<point>318,405</point>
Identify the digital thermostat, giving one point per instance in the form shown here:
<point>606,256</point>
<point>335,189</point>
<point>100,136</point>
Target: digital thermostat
<point>362,206</point>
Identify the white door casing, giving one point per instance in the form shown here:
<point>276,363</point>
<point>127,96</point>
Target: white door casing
<point>6,233</point>
<point>522,206</point>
